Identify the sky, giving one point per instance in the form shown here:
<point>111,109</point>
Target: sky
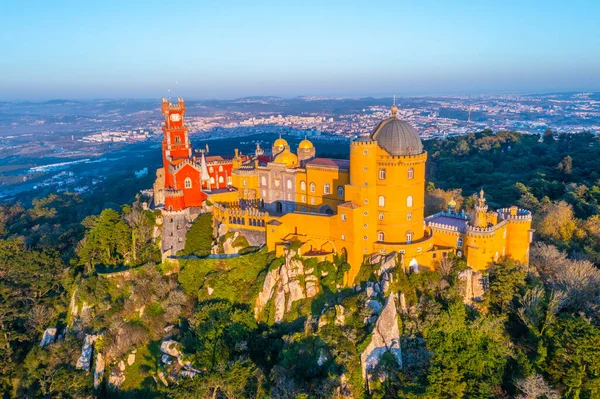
<point>226,49</point>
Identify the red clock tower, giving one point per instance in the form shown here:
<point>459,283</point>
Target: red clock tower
<point>176,143</point>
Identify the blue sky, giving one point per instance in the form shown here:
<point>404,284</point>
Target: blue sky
<point>226,49</point>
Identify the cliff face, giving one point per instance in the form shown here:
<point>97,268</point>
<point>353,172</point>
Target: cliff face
<point>288,283</point>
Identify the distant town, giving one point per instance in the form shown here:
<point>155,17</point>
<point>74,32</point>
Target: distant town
<point>64,144</point>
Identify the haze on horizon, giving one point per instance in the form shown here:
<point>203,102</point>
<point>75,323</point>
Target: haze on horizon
<point>110,49</point>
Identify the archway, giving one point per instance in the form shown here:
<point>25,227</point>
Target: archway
<point>326,209</point>
<point>278,207</point>
<point>414,266</point>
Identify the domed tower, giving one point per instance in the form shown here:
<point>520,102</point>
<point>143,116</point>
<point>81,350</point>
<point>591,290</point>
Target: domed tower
<point>480,212</point>
<point>306,151</point>
<point>287,158</point>
<point>400,182</point>
<point>279,146</point>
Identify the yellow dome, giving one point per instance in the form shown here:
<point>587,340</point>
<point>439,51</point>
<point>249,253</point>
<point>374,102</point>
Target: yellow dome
<point>451,203</point>
<point>305,145</point>
<point>280,143</point>
<point>287,158</point>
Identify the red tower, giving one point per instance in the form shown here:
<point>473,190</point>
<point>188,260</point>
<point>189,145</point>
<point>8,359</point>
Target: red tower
<point>176,143</point>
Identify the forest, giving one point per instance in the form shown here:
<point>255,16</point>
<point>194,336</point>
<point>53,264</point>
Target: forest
<point>91,268</point>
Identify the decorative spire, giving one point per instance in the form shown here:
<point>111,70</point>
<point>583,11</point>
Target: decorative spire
<point>204,169</point>
<point>394,108</point>
<point>481,198</point>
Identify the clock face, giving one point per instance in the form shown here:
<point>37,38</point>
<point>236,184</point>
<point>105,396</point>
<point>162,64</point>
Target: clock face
<point>175,117</point>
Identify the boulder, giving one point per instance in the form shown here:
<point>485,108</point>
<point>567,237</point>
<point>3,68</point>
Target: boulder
<point>322,321</point>
<point>170,348</point>
<point>210,290</point>
<point>49,336</point>
<point>122,365</point>
<point>385,338</point>
<point>131,359</point>
<point>295,292</point>
<point>374,305</point>
<point>84,361</point>
<point>472,285</point>
<point>116,378</point>
<point>99,366</point>
<point>403,303</point>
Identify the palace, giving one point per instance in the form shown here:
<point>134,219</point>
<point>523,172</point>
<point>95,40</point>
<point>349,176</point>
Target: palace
<point>361,208</point>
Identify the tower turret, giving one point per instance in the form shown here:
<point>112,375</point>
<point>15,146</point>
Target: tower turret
<point>480,212</point>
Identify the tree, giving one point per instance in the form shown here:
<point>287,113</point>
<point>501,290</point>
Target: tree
<point>556,222</point>
<point>548,137</point>
<point>507,278</point>
<point>198,240</point>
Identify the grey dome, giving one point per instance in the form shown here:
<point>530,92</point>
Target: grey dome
<point>397,137</point>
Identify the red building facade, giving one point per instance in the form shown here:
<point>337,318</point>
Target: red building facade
<point>188,180</point>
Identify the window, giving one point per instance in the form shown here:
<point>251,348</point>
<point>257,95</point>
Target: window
<point>382,174</point>
<point>313,187</point>
<point>409,216</point>
<point>366,238</point>
<point>411,173</point>
<point>343,237</point>
<point>326,188</point>
<point>340,191</point>
<point>365,168</point>
<point>366,201</point>
<point>188,183</point>
<point>221,180</point>
<point>343,217</point>
<point>177,140</point>
<point>380,215</point>
<point>303,198</point>
<point>366,152</point>
<point>289,184</point>
<point>220,168</point>
<point>381,200</point>
<point>263,180</point>
<point>312,201</point>
<point>212,180</point>
<point>380,236</point>
<point>459,242</point>
<point>303,185</point>
<point>409,201</point>
<point>245,182</point>
<point>303,209</point>
<point>211,169</point>
<point>366,226</point>
<point>409,237</point>
<point>229,180</point>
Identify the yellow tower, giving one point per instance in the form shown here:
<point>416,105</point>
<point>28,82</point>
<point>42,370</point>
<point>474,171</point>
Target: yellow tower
<point>480,212</point>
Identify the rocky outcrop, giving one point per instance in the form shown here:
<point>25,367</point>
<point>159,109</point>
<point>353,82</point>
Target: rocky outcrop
<point>99,366</point>
<point>49,336</point>
<point>385,338</point>
<point>230,244</point>
<point>290,283</point>
<point>84,361</point>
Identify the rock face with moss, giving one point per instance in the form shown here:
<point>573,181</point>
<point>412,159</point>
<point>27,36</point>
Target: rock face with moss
<point>230,244</point>
<point>385,338</point>
<point>290,282</point>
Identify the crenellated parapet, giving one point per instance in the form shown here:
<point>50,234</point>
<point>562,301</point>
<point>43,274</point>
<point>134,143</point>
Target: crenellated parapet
<point>515,214</point>
<point>170,192</point>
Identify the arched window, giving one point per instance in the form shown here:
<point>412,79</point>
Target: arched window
<point>177,140</point>
<point>220,168</point>
<point>326,188</point>
<point>409,216</point>
<point>303,185</point>
<point>188,183</point>
<point>381,200</point>
<point>411,173</point>
<point>380,215</point>
<point>340,191</point>
<point>459,242</point>
<point>212,180</point>
<point>263,180</point>
<point>409,237</point>
<point>409,201</point>
<point>313,187</point>
<point>221,180</point>
<point>289,184</point>
<point>211,169</point>
<point>380,236</point>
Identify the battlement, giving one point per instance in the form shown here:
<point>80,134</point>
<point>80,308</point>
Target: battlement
<point>456,215</point>
<point>443,226</point>
<point>514,214</point>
